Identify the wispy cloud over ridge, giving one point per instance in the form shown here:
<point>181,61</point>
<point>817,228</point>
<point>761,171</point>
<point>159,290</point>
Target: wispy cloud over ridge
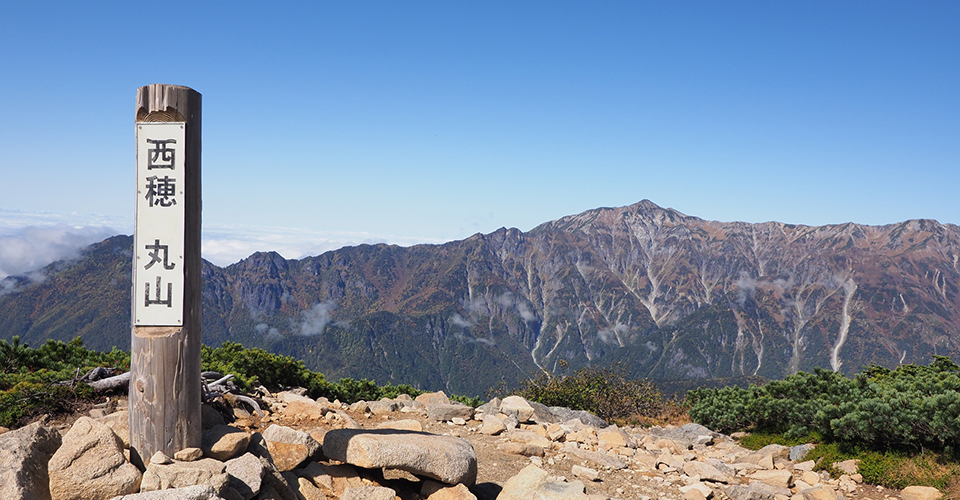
<point>314,320</point>
<point>225,244</point>
<point>31,240</point>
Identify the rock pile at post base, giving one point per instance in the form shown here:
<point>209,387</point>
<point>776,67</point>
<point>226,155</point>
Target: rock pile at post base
<point>410,449</point>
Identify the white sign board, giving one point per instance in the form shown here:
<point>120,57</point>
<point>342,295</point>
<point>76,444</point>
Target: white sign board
<point>158,236</point>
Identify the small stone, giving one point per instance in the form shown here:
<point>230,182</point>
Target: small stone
<point>287,456</point>
<point>705,472</point>
<point>693,494</point>
<point>555,432</point>
<point>432,490</point>
<point>920,493</point>
<point>445,413</point>
<point>458,421</point>
<point>778,478</point>
<point>209,418</point>
<point>597,458</point>
<point>368,493</point>
<point>282,434</point>
<point>304,410</point>
<point>524,449</point>
<point>805,466</point>
<point>518,407</point>
<point>308,491</point>
<point>181,474</point>
<point>810,477</point>
<point>612,437</point>
<point>223,442</point>
<point>492,425</point>
<point>585,473</point>
<point>245,474</point>
<point>196,492</point>
<point>797,453</point>
<point>160,458</point>
<point>332,479</point>
<point>401,425</point>
<point>534,483</point>
<point>703,489</point>
<point>188,454</point>
<point>430,398</point>
<point>848,466</point>
<point>385,406</point>
<point>819,493</point>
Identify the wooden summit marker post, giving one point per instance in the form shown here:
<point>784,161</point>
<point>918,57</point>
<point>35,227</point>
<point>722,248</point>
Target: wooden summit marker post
<point>165,339</point>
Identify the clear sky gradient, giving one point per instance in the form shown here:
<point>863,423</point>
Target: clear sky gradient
<point>333,123</point>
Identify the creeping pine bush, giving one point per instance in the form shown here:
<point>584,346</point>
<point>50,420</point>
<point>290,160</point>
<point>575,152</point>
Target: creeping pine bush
<point>910,408</point>
<point>274,371</point>
<point>28,377</point>
<point>606,392</point>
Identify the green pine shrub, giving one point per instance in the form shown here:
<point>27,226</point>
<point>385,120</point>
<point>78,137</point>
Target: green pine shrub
<point>912,408</point>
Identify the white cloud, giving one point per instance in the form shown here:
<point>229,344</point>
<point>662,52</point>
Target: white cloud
<point>613,334</point>
<point>314,320</point>
<point>223,245</point>
<point>506,301</point>
<point>30,241</point>
<point>267,331</point>
<point>469,339</point>
<point>460,321</point>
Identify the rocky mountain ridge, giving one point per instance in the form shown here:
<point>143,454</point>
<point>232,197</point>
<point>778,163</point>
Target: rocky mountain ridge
<point>671,296</point>
<point>424,448</point>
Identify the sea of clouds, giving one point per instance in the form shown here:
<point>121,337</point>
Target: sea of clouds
<point>30,241</point>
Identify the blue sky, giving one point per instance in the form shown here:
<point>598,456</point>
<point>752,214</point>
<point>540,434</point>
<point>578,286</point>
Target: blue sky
<point>328,124</point>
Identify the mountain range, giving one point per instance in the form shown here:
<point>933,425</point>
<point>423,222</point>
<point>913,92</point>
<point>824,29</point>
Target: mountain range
<point>671,296</point>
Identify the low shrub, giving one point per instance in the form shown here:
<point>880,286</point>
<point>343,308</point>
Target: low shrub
<point>755,441</point>
<point>606,392</point>
<point>912,408</point>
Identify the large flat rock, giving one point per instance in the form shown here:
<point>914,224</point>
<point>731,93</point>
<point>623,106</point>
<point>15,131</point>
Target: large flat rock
<point>447,459</point>
<point>24,454</point>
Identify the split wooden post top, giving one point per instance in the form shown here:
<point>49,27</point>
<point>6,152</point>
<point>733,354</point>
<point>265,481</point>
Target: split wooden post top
<point>164,394</point>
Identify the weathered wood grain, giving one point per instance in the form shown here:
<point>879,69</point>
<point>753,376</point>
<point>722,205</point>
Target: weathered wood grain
<point>164,392</point>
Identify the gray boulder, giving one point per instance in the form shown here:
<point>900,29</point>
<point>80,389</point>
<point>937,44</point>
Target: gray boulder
<point>300,446</point>
<point>445,413</point>
<point>199,492</point>
<point>368,493</point>
<point>799,452</point>
<point>756,490</point>
<point>24,454</point>
<point>706,472</point>
<point>597,458</point>
<point>447,459</point>
<point>206,471</point>
<point>91,455</point>
<point>533,483</point>
<point>383,407</point>
<point>223,442</point>
<point>542,414</point>
<point>518,407</point>
<point>245,474</point>
<point>585,417</point>
<point>120,423</point>
<point>490,407</point>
